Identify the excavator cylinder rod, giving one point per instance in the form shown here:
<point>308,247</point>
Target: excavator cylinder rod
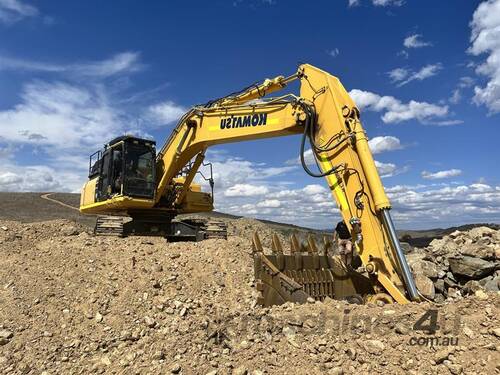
<point>403,264</point>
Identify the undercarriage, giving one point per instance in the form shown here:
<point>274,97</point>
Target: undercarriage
<point>190,229</point>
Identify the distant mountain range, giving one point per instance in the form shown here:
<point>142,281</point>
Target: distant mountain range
<point>30,207</point>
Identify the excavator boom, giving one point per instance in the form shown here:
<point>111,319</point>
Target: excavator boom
<point>328,121</point>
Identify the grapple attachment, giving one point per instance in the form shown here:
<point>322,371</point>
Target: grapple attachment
<point>306,272</point>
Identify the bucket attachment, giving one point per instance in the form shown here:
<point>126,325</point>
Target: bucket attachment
<point>306,272</point>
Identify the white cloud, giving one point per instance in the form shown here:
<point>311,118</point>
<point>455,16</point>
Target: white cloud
<point>485,39</point>
<point>466,82</point>
<point>124,62</point>
<point>245,190</point>
<point>404,54</point>
<point>314,189</point>
<point>230,171</point>
<point>10,179</point>
<point>6,151</point>
<point>59,115</point>
<point>384,143</point>
<point>269,203</point>
<point>14,10</point>
<point>308,158</point>
<point>379,3</point>
<point>415,41</point>
<point>394,110</point>
<point>427,206</point>
<point>446,122</point>
<point>418,206</point>
<point>384,3</point>
<point>165,113</point>
<point>385,169</point>
<point>60,122</point>
<point>33,178</point>
<point>334,52</point>
<point>403,76</point>
<point>456,96</point>
<point>441,174</point>
<point>398,74</point>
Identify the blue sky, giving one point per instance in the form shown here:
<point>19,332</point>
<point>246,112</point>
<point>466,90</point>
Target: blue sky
<point>425,74</point>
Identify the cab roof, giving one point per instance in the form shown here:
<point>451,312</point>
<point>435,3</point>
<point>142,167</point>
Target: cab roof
<point>129,138</point>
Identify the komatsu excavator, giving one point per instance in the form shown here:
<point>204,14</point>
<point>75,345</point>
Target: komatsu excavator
<point>129,178</point>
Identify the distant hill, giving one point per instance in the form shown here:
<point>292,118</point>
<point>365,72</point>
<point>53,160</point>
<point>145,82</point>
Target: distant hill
<point>30,207</point>
<point>421,238</point>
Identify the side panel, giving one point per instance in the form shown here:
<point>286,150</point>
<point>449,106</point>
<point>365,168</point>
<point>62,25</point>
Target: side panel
<point>88,192</point>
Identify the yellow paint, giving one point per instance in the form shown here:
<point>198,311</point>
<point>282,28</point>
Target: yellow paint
<point>117,203</point>
<point>335,187</point>
<point>87,195</point>
<point>334,107</point>
<point>270,121</point>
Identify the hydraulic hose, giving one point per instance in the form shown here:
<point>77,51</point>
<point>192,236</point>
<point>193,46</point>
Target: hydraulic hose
<point>309,131</point>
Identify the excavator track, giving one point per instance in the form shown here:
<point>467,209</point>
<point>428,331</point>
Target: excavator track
<point>212,228</point>
<point>109,226</point>
<point>216,229</point>
<point>120,226</point>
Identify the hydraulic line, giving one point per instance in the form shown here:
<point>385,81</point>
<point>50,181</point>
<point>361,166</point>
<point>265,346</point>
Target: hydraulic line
<point>310,119</point>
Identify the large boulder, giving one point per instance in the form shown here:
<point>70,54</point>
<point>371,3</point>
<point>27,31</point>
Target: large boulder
<point>482,232</point>
<point>425,286</point>
<point>478,249</point>
<point>471,287</point>
<point>443,246</point>
<point>407,248</point>
<point>415,256</point>
<point>426,268</point>
<point>493,285</point>
<point>471,267</point>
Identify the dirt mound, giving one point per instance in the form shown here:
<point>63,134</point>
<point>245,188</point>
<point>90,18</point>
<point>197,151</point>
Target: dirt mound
<point>74,303</point>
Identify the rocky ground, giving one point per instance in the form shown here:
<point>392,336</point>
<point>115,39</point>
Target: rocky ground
<point>462,263</point>
<point>73,303</point>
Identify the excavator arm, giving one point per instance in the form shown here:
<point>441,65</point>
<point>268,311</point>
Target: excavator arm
<point>329,123</point>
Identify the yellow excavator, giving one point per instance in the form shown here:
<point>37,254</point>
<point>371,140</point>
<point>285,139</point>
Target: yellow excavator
<point>130,178</point>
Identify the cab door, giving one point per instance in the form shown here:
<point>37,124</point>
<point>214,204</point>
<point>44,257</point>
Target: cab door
<point>104,186</point>
<point>111,173</point>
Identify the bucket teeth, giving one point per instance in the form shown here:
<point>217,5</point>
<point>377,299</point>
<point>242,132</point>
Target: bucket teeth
<point>276,245</point>
<point>311,245</point>
<point>308,271</point>
<point>327,245</point>
<point>256,244</point>
<point>294,244</point>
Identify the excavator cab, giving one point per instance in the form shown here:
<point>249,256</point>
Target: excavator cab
<point>125,167</point>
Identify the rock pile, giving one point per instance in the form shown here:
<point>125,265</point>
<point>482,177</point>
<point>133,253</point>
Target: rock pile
<point>72,303</point>
<point>462,263</point>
